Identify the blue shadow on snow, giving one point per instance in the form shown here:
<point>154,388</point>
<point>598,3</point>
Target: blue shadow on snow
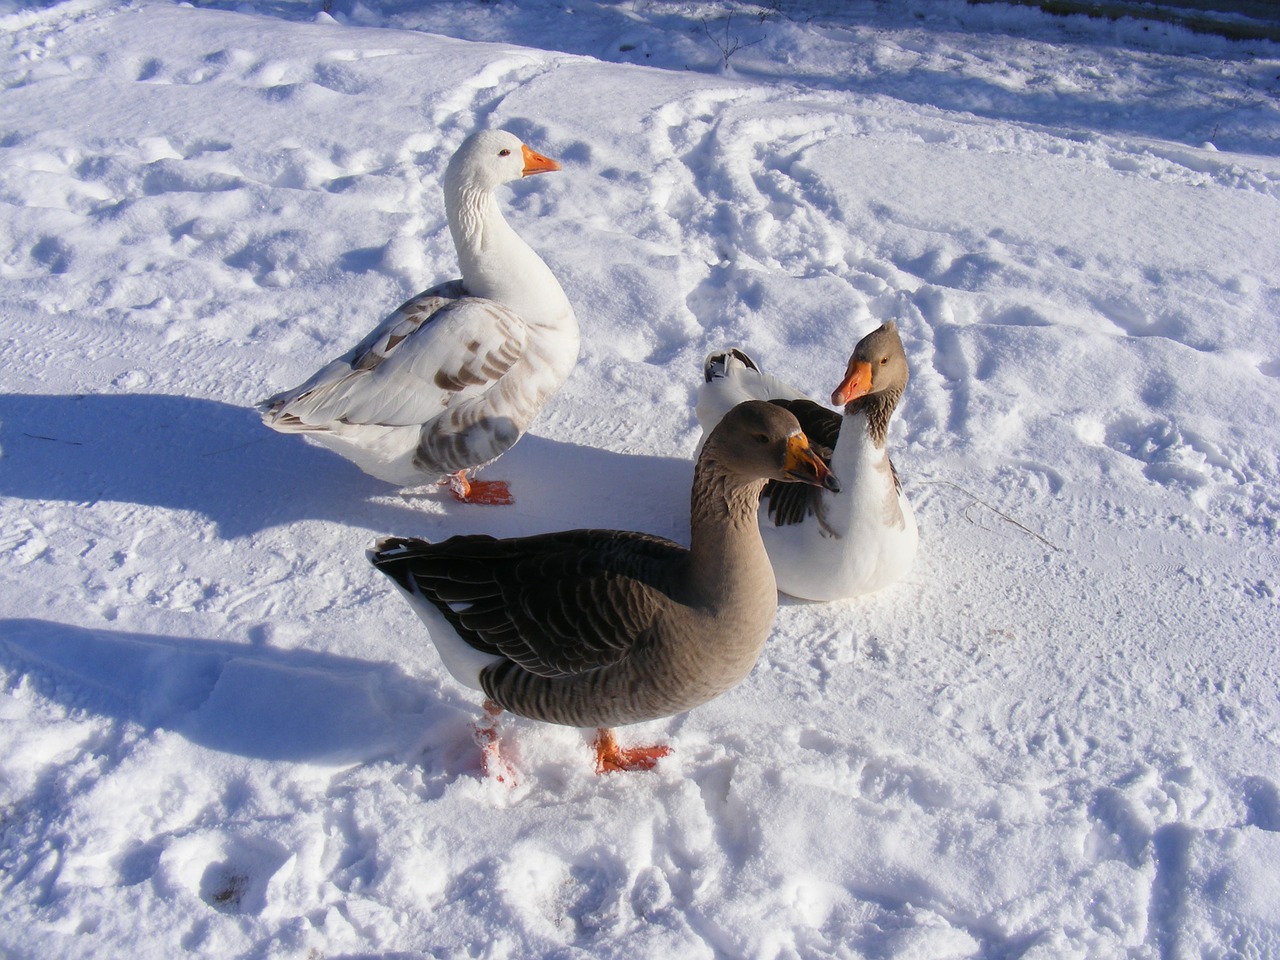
<point>254,701</point>
<point>180,453</point>
<point>221,462</point>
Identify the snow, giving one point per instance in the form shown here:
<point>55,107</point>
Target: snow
<point>1059,736</point>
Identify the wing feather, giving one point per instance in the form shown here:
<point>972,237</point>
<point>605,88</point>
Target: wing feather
<point>791,502</point>
<point>433,351</point>
<point>557,604</point>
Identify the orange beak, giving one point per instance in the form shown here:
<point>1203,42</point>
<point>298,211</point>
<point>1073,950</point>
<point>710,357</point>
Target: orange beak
<point>536,162</point>
<point>804,465</point>
<point>856,383</point>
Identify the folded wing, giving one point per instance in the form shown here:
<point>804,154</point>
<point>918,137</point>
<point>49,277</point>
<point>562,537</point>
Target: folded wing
<point>558,604</point>
<point>431,353</point>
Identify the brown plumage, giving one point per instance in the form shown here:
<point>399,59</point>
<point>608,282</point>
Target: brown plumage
<point>603,627</point>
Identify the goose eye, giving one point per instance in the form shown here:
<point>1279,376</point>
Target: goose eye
<point>504,152</point>
<point>883,361</point>
<point>761,438</point>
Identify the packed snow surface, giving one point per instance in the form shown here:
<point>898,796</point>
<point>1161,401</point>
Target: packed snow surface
<point>225,735</point>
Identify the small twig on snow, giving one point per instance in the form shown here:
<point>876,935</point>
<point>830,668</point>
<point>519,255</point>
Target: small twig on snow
<point>999,513</point>
<point>37,436</point>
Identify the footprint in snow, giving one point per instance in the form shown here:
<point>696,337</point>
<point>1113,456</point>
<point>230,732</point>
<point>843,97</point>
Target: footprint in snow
<point>1170,456</point>
<point>238,883</point>
<point>1262,803</point>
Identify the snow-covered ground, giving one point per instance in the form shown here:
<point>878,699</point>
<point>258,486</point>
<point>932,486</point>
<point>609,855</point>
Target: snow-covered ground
<point>224,735</point>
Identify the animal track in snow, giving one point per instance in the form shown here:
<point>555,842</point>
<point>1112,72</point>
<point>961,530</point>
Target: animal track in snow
<point>1135,320</point>
<point>576,900</point>
<point>966,271</point>
<point>229,872</point>
<point>1155,823</point>
<point>471,103</point>
<point>23,543</point>
<point>1262,803</point>
<point>1170,455</point>
<point>52,253</point>
<point>149,70</point>
<point>1170,163</point>
<point>274,79</point>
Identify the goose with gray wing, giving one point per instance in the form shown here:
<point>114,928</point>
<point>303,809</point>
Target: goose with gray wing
<point>456,375</point>
<point>598,628</point>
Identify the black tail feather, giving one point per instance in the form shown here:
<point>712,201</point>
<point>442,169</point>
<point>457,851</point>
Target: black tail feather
<point>714,366</point>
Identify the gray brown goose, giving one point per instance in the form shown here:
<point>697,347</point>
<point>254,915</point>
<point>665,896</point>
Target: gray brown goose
<point>597,628</point>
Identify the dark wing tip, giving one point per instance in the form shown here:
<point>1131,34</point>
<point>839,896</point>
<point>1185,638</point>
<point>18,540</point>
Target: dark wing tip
<point>270,408</point>
<point>394,555</point>
<point>391,549</point>
<point>789,503</point>
<point>714,366</point>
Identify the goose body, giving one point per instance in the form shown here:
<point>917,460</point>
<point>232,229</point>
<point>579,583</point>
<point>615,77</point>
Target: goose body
<point>598,628</point>
<point>453,378</point>
<point>827,545</point>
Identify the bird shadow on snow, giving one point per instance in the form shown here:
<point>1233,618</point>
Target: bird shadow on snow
<point>218,460</point>
<point>180,453</point>
<point>560,485</point>
<point>293,705</point>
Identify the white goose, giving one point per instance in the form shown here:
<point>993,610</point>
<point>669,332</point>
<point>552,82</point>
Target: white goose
<point>826,545</point>
<point>454,377</point>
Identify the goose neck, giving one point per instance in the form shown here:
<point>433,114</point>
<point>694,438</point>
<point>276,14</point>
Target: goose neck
<point>727,556</point>
<point>876,409</point>
<point>475,222</point>
<point>498,265</point>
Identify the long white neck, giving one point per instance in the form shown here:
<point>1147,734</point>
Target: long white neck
<point>856,456</point>
<point>866,478</point>
<point>497,264</point>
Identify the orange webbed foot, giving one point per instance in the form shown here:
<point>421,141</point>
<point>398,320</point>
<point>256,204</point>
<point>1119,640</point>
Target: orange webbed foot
<point>611,758</point>
<point>493,493</point>
<point>493,765</point>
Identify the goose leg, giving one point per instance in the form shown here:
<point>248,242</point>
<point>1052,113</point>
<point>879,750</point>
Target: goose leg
<point>490,492</point>
<point>610,757</point>
<point>492,762</point>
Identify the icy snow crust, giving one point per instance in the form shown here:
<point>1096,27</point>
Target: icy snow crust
<point>224,735</point>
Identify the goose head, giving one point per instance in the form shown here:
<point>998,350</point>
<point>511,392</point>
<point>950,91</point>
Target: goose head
<point>759,441</point>
<point>878,365</point>
<point>489,158</point>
